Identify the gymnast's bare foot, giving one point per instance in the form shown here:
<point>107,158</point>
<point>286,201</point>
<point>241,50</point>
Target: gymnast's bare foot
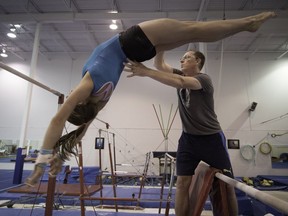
<point>257,20</point>
<point>34,178</point>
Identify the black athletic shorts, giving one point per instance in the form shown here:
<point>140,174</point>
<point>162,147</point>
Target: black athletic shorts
<point>208,148</point>
<point>136,45</point>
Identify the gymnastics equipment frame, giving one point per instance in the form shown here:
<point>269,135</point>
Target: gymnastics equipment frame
<point>29,79</point>
<point>210,181</point>
<point>272,201</point>
<point>115,198</point>
<point>172,174</point>
<point>164,131</point>
<point>208,176</point>
<point>19,164</point>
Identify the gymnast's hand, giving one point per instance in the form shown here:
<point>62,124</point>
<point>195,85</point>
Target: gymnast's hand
<point>135,68</point>
<point>55,165</point>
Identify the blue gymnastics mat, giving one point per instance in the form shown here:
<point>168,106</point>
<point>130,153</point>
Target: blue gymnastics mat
<point>41,212</point>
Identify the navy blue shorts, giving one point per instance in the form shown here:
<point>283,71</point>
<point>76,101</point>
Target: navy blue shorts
<point>208,148</point>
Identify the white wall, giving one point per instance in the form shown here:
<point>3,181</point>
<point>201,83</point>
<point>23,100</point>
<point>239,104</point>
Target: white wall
<point>132,118</point>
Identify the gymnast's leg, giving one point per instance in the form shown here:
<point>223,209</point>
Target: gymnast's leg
<point>167,34</point>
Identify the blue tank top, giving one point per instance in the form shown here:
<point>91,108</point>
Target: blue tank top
<point>105,64</point>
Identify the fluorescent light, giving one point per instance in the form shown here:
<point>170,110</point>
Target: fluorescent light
<point>4,55</point>
<point>113,11</point>
<point>113,26</point>
<point>12,29</point>
<point>11,35</point>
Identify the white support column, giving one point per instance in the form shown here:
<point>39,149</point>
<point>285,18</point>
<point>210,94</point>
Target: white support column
<point>30,87</point>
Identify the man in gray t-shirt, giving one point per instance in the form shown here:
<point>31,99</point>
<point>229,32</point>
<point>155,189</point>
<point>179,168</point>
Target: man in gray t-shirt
<point>196,108</point>
<point>202,138</point>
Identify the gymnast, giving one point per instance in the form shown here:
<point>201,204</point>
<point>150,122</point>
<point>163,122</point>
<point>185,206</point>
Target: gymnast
<point>103,68</point>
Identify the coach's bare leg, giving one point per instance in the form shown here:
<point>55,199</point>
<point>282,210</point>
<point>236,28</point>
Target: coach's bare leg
<point>182,195</point>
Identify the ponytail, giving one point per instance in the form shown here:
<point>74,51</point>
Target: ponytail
<point>82,114</point>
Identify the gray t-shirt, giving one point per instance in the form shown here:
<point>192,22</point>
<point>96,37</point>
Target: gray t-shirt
<point>196,108</point>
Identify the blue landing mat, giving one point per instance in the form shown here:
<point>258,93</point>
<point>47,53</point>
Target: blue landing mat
<point>149,198</point>
<point>279,165</point>
<point>6,178</point>
<point>41,212</point>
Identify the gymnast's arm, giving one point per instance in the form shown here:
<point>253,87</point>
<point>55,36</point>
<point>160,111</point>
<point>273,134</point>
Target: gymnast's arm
<point>160,64</point>
<point>170,79</point>
<point>55,128</point>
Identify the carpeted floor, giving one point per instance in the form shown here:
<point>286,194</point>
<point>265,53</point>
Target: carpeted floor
<point>41,212</point>
<point>150,198</point>
<point>6,178</point>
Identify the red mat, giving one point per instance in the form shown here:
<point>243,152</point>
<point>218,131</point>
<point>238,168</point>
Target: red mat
<point>64,189</point>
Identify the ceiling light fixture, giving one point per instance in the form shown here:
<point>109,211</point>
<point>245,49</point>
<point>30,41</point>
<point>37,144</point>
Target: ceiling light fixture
<point>114,7</point>
<point>113,26</point>
<point>4,54</point>
<point>17,25</point>
<point>11,35</point>
<point>12,29</point>
<point>113,11</point>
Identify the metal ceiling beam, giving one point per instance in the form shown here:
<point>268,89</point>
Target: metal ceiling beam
<point>93,40</point>
<point>71,17</point>
<point>72,4</point>
<point>3,10</point>
<point>286,46</point>
<point>181,52</point>
<point>63,42</point>
<point>202,9</point>
<point>159,5</point>
<point>243,4</point>
<point>279,57</point>
<point>260,44</point>
<point>35,6</point>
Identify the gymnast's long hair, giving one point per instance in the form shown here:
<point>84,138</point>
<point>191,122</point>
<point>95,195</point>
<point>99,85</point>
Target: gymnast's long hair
<point>81,115</point>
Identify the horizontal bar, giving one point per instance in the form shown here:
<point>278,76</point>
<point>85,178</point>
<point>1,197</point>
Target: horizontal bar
<point>266,198</point>
<point>169,156</point>
<point>121,199</point>
<point>29,79</point>
<point>109,198</point>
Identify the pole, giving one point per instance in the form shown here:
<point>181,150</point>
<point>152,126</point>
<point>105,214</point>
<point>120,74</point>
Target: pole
<point>112,175</point>
<point>114,151</point>
<point>52,180</point>
<point>19,161</point>
<point>81,179</point>
<point>272,201</point>
<point>100,166</point>
<point>29,79</point>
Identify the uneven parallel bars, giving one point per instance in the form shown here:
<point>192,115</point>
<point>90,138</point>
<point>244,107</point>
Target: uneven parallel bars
<point>272,201</point>
<point>17,73</point>
<point>124,199</point>
<point>51,181</point>
<point>169,156</point>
